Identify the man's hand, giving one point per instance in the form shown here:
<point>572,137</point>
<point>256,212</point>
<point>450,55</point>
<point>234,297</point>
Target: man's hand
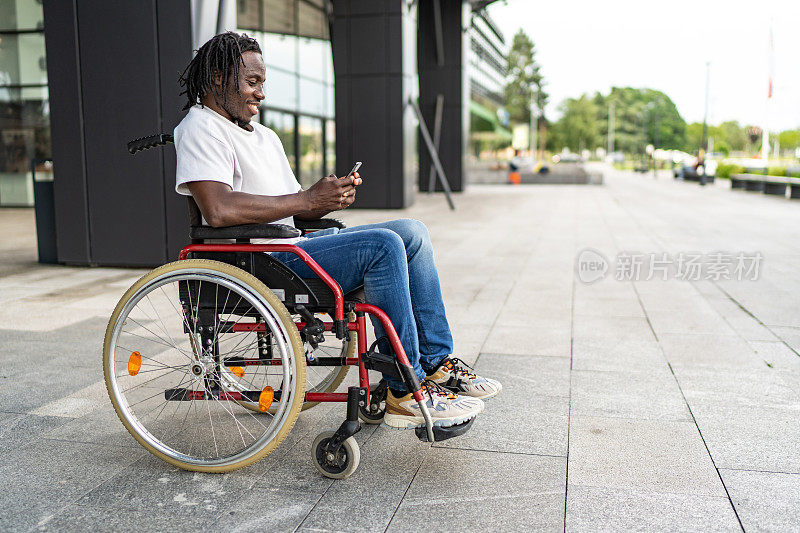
<point>332,193</point>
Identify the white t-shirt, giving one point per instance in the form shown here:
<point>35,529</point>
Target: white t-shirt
<point>212,148</point>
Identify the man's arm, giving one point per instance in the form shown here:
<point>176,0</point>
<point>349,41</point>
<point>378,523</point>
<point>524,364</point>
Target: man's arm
<point>223,207</point>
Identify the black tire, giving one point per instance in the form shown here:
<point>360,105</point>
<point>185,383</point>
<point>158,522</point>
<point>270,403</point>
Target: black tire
<point>342,464</point>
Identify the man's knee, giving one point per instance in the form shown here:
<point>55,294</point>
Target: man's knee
<point>413,232</point>
<point>387,241</point>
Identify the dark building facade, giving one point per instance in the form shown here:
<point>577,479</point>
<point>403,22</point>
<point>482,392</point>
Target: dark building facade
<point>341,77</point>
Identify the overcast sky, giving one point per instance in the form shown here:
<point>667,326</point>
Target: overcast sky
<point>592,45</point>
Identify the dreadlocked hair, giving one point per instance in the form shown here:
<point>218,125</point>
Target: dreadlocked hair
<point>222,54</point>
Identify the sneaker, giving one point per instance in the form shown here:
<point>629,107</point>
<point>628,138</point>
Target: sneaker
<point>457,376</point>
<point>446,409</point>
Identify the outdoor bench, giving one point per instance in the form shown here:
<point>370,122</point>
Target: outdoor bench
<point>767,184</point>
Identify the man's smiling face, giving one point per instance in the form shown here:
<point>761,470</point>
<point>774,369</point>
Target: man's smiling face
<point>241,106</point>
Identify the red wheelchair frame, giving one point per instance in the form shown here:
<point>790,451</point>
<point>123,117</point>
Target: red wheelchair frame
<point>360,326</point>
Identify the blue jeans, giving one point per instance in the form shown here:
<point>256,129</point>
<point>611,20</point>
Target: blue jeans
<point>394,262</point>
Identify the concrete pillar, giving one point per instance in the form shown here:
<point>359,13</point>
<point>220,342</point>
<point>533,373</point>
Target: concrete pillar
<point>446,75</point>
<point>112,74</point>
<point>374,59</point>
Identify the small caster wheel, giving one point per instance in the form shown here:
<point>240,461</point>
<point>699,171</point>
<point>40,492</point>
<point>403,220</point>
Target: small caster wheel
<point>373,413</point>
<point>339,465</point>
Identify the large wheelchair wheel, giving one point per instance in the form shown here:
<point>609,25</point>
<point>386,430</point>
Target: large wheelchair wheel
<point>186,365</point>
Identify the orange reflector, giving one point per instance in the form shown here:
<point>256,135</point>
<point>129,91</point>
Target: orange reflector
<point>237,371</point>
<point>134,363</point>
<point>265,399</point>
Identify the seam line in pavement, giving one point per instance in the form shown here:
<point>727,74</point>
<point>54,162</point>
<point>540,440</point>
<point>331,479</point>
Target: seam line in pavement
<point>569,396</point>
<point>511,290</point>
<point>333,481</point>
<point>497,451</point>
<point>689,407</point>
<point>675,377</point>
<point>754,317</point>
<point>719,474</point>
<point>761,471</point>
<point>403,497</point>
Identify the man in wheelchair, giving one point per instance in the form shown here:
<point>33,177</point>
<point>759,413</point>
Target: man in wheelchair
<point>237,172</point>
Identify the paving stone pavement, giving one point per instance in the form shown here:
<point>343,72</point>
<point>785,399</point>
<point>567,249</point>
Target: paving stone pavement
<point>629,404</point>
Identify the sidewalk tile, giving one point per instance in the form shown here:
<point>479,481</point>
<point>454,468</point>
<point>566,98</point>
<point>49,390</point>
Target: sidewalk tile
<point>460,490</point>
<point>652,455</point>
<point>43,477</point>
<point>612,327</point>
<point>709,351</point>
<point>529,341</point>
<point>120,520</point>
<point>605,509</point>
<point>534,402</point>
<point>627,395</point>
<point>765,501</point>
<point>618,355</point>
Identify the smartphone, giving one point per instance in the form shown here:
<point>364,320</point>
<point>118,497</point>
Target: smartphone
<point>355,169</point>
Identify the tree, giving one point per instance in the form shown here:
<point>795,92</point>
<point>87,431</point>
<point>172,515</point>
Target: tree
<point>789,139</point>
<point>579,127</point>
<point>524,78</point>
<point>734,135</point>
<point>641,117</point>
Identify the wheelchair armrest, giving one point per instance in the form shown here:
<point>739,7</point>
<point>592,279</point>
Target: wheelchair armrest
<point>244,231</point>
<point>318,224</point>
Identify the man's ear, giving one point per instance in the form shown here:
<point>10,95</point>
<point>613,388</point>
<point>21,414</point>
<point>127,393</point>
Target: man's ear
<point>217,78</point>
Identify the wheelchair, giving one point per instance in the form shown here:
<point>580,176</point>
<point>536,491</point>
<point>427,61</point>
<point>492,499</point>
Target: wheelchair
<point>209,360</point>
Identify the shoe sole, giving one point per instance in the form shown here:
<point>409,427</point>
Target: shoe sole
<point>462,393</point>
<point>413,422</point>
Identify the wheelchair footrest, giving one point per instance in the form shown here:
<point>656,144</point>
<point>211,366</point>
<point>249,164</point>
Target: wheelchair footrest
<point>384,363</point>
<point>444,433</point>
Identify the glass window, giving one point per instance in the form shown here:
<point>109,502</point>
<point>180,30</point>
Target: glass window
<point>312,97</point>
<point>279,51</point>
<point>283,125</point>
<point>281,90</point>
<point>310,151</point>
<point>21,15</point>
<point>22,59</point>
<point>278,16</point>
<point>328,63</point>
<point>330,147</point>
<point>24,106</point>
<point>313,22</point>
<point>312,57</point>
<point>24,137</point>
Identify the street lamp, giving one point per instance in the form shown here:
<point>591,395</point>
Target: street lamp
<point>532,137</point>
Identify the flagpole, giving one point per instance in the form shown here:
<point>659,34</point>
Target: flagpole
<point>765,134</point>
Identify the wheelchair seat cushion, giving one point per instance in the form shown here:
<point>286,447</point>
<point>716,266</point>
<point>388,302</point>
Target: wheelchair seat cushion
<point>244,231</point>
